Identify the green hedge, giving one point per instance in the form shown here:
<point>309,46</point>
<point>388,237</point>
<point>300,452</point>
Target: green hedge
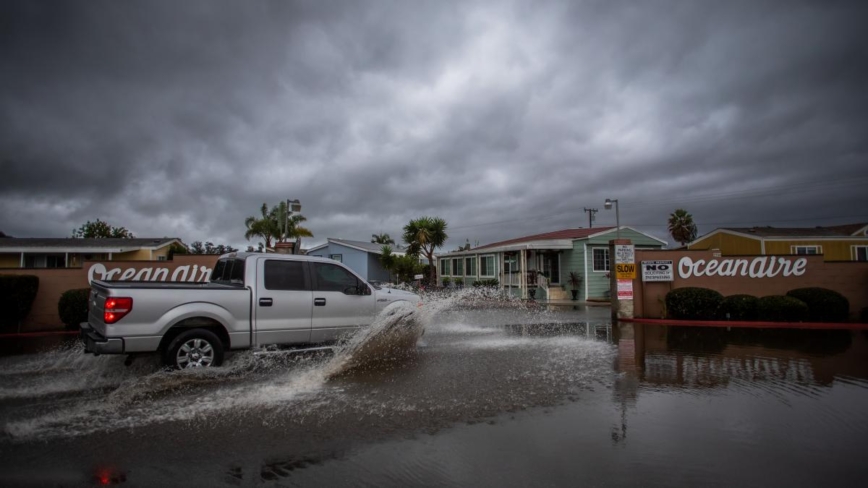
<point>739,307</point>
<point>693,303</point>
<point>780,308</point>
<point>488,282</point>
<point>824,305</point>
<point>72,307</point>
<point>17,293</point>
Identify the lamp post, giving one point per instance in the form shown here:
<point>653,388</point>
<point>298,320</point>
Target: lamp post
<point>291,206</point>
<point>608,206</point>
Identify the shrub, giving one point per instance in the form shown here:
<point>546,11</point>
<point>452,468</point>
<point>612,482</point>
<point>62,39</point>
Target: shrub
<point>824,305</point>
<point>72,307</point>
<point>486,282</point>
<point>17,293</point>
<point>780,308</point>
<point>738,307</point>
<point>446,281</point>
<point>693,303</point>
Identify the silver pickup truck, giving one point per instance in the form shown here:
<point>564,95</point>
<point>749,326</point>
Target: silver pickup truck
<point>252,300</point>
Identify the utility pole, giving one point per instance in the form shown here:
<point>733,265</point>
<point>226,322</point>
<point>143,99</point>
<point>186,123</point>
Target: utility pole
<point>591,217</point>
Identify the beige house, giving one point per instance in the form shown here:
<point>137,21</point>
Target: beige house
<point>72,253</point>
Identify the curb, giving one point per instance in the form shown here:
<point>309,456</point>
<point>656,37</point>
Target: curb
<point>751,325</point>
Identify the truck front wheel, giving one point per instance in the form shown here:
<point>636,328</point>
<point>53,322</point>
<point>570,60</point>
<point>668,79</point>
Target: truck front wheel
<point>195,348</point>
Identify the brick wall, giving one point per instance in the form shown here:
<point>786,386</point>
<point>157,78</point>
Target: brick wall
<point>53,282</point>
<point>846,277</point>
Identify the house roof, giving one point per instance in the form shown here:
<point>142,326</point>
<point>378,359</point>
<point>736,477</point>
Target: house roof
<point>570,234</point>
<point>794,232</point>
<point>15,244</point>
<point>358,245</point>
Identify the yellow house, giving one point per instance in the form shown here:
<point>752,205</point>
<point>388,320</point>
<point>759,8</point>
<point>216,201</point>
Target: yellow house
<point>71,253</point>
<point>836,243</point>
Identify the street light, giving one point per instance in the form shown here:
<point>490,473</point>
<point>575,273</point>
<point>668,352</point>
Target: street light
<point>608,206</point>
<point>291,206</point>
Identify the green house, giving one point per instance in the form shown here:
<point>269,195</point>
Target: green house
<point>541,263</point>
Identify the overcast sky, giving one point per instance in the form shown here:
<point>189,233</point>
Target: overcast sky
<point>180,118</point>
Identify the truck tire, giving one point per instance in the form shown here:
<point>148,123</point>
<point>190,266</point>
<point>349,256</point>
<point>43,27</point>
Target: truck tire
<point>195,348</point>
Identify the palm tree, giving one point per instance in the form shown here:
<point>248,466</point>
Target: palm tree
<point>382,239</point>
<point>273,226</point>
<point>681,226</point>
<point>260,227</point>
<point>424,235</point>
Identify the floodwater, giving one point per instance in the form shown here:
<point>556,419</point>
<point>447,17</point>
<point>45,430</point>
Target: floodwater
<point>492,395</point>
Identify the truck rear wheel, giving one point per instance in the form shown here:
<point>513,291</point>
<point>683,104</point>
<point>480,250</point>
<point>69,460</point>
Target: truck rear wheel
<point>195,348</point>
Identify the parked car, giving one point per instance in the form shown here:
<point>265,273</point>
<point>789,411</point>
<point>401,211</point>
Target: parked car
<point>251,301</point>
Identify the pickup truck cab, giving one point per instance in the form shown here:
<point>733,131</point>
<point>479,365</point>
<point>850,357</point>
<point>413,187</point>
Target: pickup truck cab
<point>252,300</point>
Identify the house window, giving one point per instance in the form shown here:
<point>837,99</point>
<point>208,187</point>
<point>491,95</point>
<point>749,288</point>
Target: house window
<point>470,266</point>
<point>444,267</point>
<point>551,266</point>
<point>337,257</point>
<point>458,267</point>
<point>806,249</point>
<point>860,253</point>
<point>486,266</point>
<point>161,258</point>
<point>601,259</point>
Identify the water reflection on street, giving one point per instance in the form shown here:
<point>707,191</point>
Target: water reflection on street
<point>493,396</point>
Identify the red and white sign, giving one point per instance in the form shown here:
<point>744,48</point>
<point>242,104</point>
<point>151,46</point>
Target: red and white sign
<point>625,289</point>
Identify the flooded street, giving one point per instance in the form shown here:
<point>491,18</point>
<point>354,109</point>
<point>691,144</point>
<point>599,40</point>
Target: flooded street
<point>492,396</point>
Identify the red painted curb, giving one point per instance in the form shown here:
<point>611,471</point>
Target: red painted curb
<point>49,333</point>
<point>753,325</point>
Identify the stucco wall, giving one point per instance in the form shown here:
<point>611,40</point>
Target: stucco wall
<point>53,282</point>
<point>848,278</point>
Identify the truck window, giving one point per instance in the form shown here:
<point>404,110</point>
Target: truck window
<point>285,275</point>
<point>229,271</point>
<point>333,278</point>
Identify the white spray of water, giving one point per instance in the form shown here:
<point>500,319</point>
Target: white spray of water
<point>146,395</point>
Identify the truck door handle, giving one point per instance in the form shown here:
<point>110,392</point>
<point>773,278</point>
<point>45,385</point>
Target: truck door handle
<point>265,302</point>
<point>319,302</point>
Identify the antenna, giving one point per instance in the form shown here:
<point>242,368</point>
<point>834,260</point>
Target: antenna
<point>591,216</point>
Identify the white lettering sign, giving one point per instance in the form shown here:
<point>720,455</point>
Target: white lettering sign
<point>658,271</point>
<point>759,267</point>
<point>625,289</point>
<point>193,274</point>
<point>625,254</point>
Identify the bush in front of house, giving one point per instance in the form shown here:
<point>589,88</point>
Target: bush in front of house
<point>17,293</point>
<point>738,307</point>
<point>824,305</point>
<point>446,281</point>
<point>781,308</point>
<point>693,303</point>
<point>72,307</point>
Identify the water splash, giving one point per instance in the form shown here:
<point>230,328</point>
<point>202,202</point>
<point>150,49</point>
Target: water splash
<point>146,394</point>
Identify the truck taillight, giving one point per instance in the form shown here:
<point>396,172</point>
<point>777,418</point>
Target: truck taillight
<point>116,308</point>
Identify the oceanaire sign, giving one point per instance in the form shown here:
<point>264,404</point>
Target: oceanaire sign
<point>759,267</point>
<point>185,273</point>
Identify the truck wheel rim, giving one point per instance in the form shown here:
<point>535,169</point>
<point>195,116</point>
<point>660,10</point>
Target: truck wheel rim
<point>195,353</point>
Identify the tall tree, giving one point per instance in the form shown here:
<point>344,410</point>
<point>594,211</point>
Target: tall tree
<point>424,235</point>
<point>262,226</point>
<point>273,226</point>
<point>681,226</point>
<point>100,229</point>
<point>382,239</point>
<point>387,259</point>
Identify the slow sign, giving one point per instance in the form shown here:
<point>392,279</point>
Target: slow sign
<point>625,271</point>
<point>658,271</point>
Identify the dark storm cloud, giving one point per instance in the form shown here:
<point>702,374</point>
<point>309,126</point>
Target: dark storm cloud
<point>181,118</point>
